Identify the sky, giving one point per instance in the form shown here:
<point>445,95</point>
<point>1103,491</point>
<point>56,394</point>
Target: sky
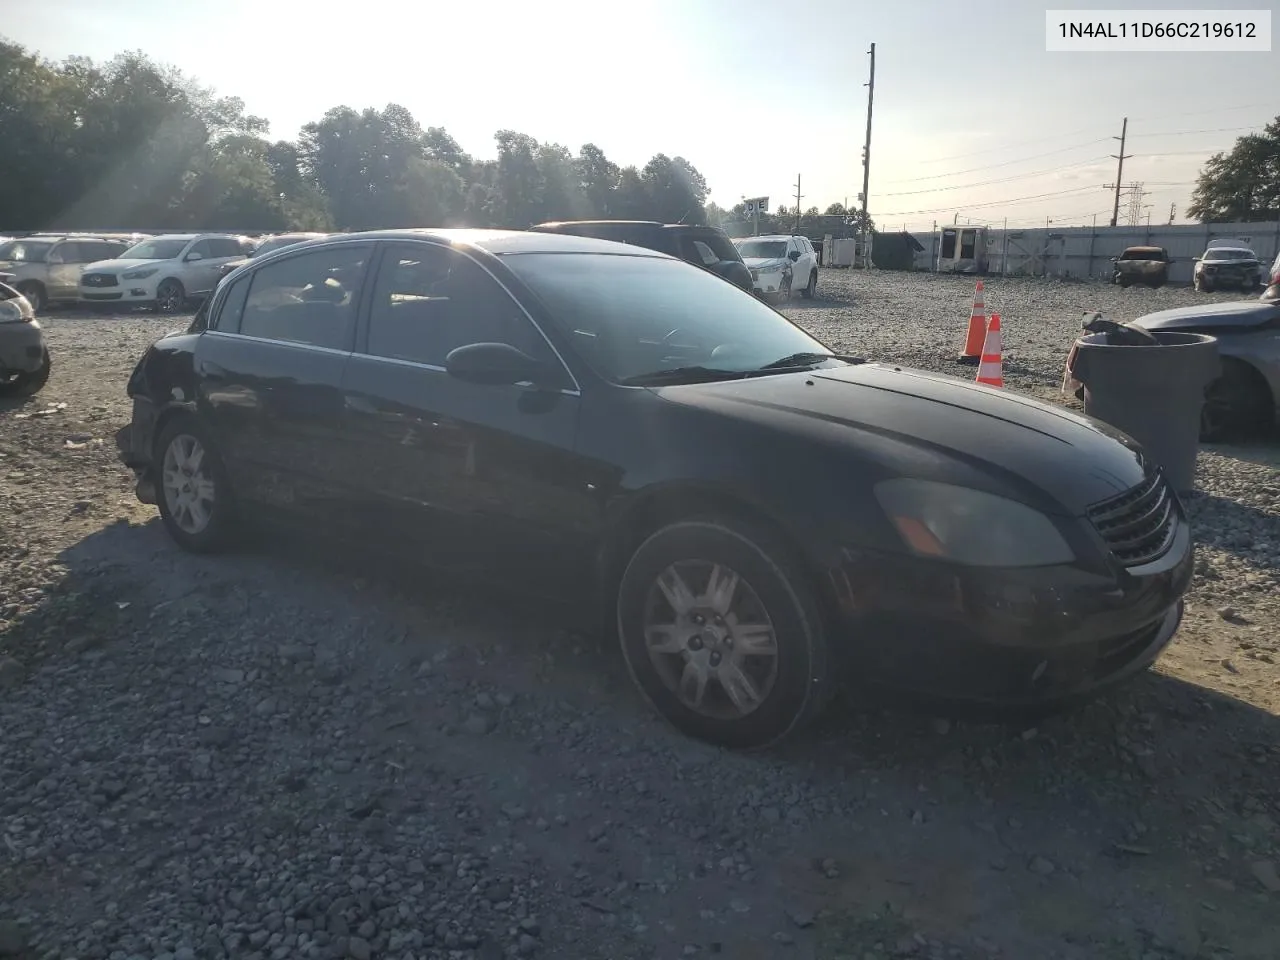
<point>973,120</point>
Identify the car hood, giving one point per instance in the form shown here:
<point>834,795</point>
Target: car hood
<point>1012,441</point>
<point>106,266</point>
<point>1237,313</point>
<point>762,262</point>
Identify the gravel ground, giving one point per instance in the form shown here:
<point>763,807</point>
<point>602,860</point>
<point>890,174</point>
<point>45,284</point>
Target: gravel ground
<point>294,752</point>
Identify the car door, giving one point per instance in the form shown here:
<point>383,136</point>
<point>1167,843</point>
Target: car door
<point>269,370</point>
<point>222,251</point>
<point>198,270</point>
<point>65,261</point>
<point>479,476</point>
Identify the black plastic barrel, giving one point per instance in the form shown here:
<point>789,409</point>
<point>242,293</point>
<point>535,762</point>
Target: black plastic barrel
<point>1154,393</point>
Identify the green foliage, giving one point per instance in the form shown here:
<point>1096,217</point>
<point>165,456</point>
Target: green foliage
<point>132,144</point>
<point>1243,185</point>
<point>835,221</point>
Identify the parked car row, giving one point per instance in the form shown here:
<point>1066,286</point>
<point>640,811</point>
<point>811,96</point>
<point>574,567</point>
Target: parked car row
<point>755,517</point>
<point>165,272</point>
<point>1225,264</point>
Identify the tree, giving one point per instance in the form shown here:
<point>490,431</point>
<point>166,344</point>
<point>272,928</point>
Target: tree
<point>1243,185</point>
<point>130,143</point>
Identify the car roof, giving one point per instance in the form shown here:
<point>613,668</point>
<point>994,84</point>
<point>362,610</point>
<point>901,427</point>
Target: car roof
<point>501,242</point>
<point>771,236</point>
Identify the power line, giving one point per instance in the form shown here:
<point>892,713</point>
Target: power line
<point>1188,133</point>
<point>1204,113</point>
<point>1004,163</point>
<point>1016,143</point>
<point>987,183</point>
<point>993,203</point>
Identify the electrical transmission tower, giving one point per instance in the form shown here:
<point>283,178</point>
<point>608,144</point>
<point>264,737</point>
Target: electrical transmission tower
<point>1133,210</point>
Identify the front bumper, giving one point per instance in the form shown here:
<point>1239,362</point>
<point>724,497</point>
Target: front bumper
<point>128,292</point>
<point>1248,277</point>
<point>1030,637</point>
<point>21,347</point>
<point>767,283</point>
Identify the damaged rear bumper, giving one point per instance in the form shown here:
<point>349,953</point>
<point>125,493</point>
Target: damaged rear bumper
<point>134,441</point>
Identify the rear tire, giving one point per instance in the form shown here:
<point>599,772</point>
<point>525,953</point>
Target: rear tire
<point>193,492</point>
<point>30,383</point>
<point>34,292</point>
<point>757,650</point>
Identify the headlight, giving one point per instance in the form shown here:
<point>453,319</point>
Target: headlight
<point>140,274</point>
<point>967,526</point>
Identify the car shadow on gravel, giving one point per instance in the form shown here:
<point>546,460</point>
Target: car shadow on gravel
<point>1227,524</point>
<point>1155,803</point>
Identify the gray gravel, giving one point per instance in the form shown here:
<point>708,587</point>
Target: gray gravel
<point>295,752</point>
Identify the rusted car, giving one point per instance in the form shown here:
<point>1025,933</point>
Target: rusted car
<point>1144,265</point>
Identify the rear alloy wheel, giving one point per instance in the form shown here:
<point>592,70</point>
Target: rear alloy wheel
<point>34,293</point>
<point>1237,405</point>
<point>195,498</point>
<point>722,633</point>
<point>170,297</point>
<point>811,287</point>
<point>28,383</point>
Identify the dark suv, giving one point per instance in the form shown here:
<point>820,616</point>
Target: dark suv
<point>706,247</point>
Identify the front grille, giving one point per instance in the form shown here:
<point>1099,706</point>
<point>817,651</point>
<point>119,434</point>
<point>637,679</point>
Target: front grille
<point>1137,525</point>
<point>100,280</point>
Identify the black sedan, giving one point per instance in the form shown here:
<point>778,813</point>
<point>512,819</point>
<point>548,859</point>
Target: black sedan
<point>757,516</point>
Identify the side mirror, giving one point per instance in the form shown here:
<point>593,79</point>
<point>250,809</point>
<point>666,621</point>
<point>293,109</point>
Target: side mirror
<point>493,364</point>
<point>793,256</point>
<point>193,257</point>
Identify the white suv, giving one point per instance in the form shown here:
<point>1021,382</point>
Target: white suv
<point>164,272</point>
<point>780,264</point>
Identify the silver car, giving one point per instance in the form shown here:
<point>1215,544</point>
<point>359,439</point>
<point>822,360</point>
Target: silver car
<point>47,266</point>
<point>1245,399</point>
<point>24,358</point>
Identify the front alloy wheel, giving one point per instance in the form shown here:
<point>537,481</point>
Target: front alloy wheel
<point>713,644</point>
<point>722,632</point>
<point>170,297</point>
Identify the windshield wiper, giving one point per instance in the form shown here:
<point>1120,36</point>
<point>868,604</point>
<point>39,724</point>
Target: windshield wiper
<point>693,374</point>
<point>807,358</point>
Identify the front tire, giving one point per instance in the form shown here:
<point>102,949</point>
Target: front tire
<point>1237,405</point>
<point>722,632</point>
<point>170,297</point>
<point>811,287</point>
<point>193,493</point>
<point>29,383</point>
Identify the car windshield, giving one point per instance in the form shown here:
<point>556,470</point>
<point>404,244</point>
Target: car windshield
<point>158,249</point>
<point>763,249</point>
<point>25,251</point>
<point>1228,253</point>
<point>635,317</point>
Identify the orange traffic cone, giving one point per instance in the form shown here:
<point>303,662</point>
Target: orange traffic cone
<point>990,370</point>
<point>977,329</point>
